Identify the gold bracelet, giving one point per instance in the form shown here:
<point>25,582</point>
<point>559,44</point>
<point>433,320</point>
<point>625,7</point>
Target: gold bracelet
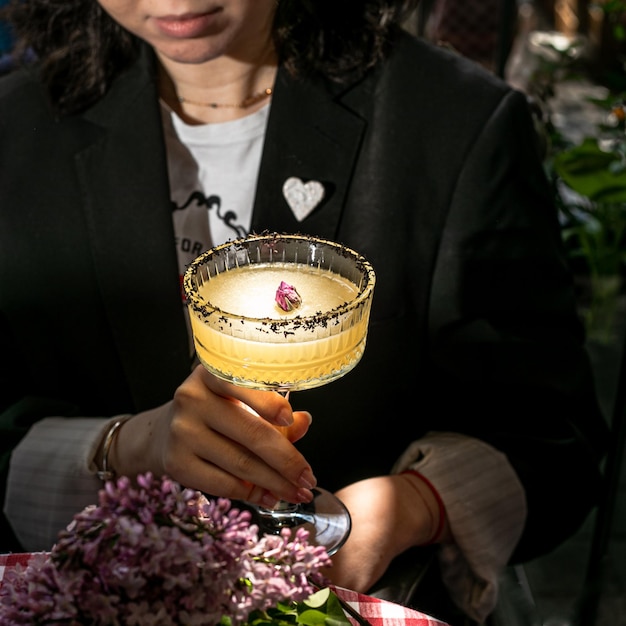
<point>107,473</point>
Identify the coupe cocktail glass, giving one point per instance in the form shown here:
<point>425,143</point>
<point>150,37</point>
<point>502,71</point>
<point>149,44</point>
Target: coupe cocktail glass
<point>241,335</point>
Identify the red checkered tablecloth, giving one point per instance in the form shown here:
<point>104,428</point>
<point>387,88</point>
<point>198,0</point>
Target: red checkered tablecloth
<point>9,561</point>
<point>382,613</point>
<point>377,612</point>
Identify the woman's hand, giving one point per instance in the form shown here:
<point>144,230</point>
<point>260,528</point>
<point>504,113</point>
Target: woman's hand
<point>388,517</point>
<point>211,438</point>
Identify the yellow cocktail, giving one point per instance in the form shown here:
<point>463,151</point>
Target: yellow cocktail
<point>243,336</point>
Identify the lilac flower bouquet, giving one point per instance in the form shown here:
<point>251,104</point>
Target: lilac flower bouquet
<point>158,554</point>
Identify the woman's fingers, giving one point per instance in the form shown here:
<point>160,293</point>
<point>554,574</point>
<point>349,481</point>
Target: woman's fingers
<point>205,476</point>
<point>272,406</point>
<point>229,449</point>
<point>301,422</point>
<point>213,462</point>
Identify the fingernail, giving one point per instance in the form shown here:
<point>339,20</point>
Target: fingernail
<point>269,501</point>
<point>307,479</point>
<point>304,495</point>
<point>308,416</point>
<point>284,418</point>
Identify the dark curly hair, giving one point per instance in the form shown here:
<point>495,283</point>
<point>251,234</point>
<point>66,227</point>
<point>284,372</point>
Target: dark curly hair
<point>80,49</point>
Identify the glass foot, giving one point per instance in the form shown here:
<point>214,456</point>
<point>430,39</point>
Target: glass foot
<point>325,517</point>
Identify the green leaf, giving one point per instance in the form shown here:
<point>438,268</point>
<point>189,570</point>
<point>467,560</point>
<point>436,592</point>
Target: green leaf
<point>280,615</point>
<point>323,608</point>
<point>587,170</point>
<point>318,599</point>
<point>336,621</point>
<point>312,617</point>
<point>335,615</point>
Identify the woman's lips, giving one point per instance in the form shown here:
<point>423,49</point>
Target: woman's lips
<point>186,26</point>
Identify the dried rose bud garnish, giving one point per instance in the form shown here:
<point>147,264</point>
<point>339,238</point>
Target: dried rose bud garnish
<point>287,298</point>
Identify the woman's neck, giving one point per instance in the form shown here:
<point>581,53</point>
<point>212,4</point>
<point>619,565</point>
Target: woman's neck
<point>219,90</point>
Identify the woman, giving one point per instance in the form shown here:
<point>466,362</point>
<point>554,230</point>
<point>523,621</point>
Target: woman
<point>150,130</point>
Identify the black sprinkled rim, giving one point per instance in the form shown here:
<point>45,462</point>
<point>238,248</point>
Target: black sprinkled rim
<point>273,325</point>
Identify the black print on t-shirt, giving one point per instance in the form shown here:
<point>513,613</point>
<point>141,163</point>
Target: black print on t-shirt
<point>213,203</point>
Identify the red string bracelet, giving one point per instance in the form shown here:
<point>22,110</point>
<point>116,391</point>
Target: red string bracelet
<point>442,509</point>
<point>418,491</point>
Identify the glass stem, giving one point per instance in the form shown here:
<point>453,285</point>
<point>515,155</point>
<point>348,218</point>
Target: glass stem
<point>285,394</point>
<point>282,506</point>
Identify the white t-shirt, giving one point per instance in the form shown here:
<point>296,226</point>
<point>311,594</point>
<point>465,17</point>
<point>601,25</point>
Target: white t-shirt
<point>213,170</point>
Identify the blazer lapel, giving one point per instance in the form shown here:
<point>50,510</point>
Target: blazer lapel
<point>128,215</point>
<point>311,136</point>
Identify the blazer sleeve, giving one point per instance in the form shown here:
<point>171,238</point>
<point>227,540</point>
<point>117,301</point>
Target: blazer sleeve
<point>504,330</point>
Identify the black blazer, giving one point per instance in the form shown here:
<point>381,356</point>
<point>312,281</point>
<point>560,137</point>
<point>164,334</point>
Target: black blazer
<point>431,171</point>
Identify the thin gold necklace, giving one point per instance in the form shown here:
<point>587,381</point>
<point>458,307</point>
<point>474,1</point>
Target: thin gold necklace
<point>244,104</point>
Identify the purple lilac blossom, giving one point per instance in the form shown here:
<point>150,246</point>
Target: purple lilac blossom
<point>158,554</point>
